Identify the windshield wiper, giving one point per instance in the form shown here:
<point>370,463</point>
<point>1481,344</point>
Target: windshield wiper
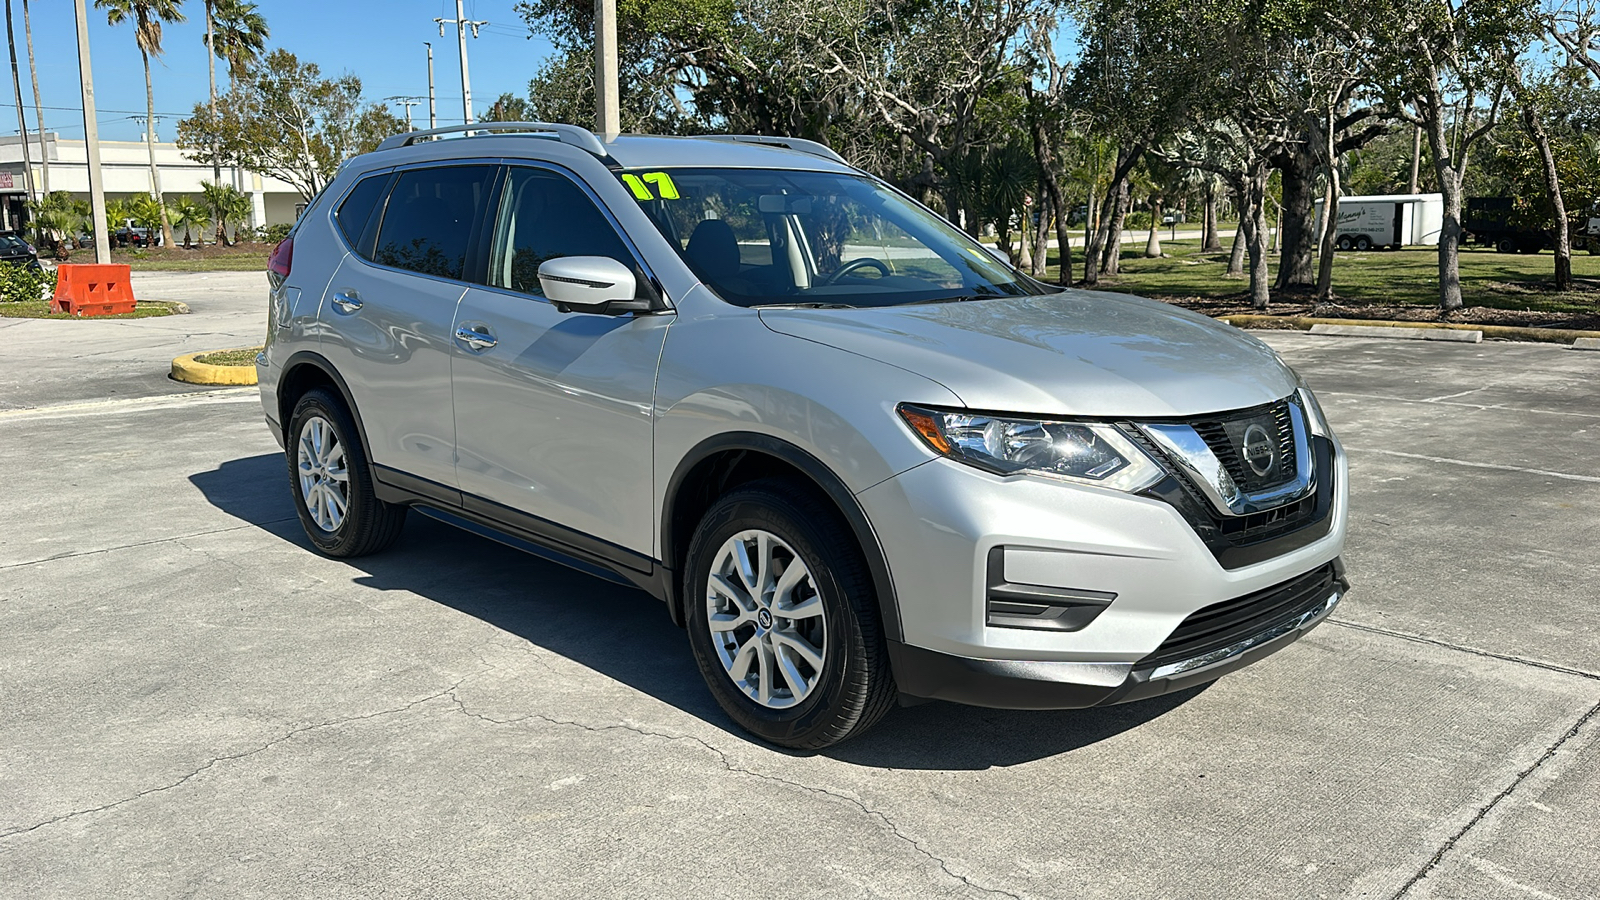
<point>805,305</point>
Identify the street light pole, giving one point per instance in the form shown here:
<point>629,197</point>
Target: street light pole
<point>608,108</point>
<point>91,142</point>
<point>433,117</point>
<point>461,22</point>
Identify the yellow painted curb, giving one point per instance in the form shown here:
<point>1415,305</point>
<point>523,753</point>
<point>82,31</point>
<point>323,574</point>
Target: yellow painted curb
<point>186,369</point>
<point>1503,332</point>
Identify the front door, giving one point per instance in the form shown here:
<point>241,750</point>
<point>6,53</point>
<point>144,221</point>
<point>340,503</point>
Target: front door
<point>554,411</point>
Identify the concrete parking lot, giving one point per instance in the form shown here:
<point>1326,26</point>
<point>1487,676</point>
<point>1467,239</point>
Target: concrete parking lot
<point>192,703</point>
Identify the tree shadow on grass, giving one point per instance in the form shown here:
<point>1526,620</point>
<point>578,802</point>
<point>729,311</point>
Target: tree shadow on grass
<point>625,634</point>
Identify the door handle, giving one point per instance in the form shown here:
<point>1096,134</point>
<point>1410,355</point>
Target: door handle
<point>347,301</point>
<point>477,340</point>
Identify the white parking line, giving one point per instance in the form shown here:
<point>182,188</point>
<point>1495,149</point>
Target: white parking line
<point>1439,401</point>
<point>131,404</point>
<point>1478,465</point>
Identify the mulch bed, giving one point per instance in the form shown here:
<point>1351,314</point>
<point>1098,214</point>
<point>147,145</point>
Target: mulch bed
<point>1292,306</point>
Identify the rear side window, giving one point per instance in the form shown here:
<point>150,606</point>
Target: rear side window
<point>357,207</point>
<point>430,218</point>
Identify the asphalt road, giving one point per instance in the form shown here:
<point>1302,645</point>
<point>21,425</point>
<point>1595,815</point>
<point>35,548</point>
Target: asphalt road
<point>194,704</point>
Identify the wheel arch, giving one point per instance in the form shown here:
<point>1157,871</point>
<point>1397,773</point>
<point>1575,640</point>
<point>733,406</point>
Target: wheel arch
<point>307,370</point>
<point>720,463</point>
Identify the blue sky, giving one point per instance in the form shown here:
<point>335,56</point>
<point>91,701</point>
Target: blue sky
<point>379,40</point>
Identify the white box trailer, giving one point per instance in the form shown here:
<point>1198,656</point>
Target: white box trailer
<point>1387,220</point>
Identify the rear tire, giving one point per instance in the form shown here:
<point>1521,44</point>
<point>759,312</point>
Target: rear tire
<point>343,516</point>
<point>783,618</point>
<point>1343,243</point>
<point>1363,243</point>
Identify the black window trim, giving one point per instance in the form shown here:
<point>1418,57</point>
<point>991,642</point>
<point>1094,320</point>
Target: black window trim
<point>474,265</point>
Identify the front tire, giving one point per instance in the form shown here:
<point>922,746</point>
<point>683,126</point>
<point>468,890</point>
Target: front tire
<point>332,482</point>
<point>783,618</point>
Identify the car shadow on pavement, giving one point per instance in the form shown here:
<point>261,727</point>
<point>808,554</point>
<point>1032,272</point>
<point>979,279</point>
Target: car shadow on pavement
<point>624,634</point>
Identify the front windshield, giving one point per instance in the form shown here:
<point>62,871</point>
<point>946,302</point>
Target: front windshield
<point>764,237</point>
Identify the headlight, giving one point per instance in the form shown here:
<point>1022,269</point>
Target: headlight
<point>1084,452</point>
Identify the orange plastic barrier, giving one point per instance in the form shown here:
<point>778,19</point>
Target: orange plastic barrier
<point>92,290</point>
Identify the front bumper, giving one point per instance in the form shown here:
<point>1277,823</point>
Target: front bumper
<point>945,529</point>
<point>1025,684</point>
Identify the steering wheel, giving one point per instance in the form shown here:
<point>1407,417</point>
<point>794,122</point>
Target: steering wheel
<point>859,262</point>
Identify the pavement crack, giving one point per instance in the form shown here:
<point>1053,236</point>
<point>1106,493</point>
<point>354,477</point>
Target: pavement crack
<point>888,823</point>
<point>1495,801</point>
<point>234,757</point>
<point>1462,648</point>
<point>174,539</point>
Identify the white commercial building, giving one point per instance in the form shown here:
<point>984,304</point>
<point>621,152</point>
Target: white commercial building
<point>126,168</point>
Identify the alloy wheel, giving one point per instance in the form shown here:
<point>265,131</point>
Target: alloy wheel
<point>324,480</point>
<point>766,619</point>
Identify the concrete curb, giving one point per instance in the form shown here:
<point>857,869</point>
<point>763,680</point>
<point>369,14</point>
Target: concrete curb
<point>187,370</point>
<point>1501,332</point>
<point>1453,335</point>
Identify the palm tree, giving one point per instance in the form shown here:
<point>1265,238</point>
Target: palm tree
<point>214,200</point>
<point>38,111</point>
<point>147,212</point>
<point>240,34</point>
<point>116,212</point>
<point>239,209</point>
<point>59,217</point>
<point>186,214</point>
<point>147,16</point>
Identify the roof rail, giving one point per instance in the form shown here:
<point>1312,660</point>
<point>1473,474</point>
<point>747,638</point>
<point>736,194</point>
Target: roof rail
<point>788,143</point>
<point>579,137</point>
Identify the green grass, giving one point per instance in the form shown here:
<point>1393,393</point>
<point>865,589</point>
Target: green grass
<point>1376,278</point>
<point>40,309</point>
<point>239,262</point>
<point>245,357</point>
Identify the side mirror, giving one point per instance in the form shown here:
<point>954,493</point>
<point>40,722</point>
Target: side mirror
<point>592,284</point>
<point>997,253</point>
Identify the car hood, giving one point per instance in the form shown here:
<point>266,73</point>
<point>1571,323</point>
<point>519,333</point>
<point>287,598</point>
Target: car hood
<point>1073,353</point>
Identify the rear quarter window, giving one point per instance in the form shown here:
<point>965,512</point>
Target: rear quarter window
<point>356,210</point>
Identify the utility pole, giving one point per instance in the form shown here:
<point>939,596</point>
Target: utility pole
<point>433,118</point>
<point>22,124</point>
<point>608,108</point>
<point>406,102</point>
<point>461,22</point>
<point>91,142</point>
<point>38,111</point>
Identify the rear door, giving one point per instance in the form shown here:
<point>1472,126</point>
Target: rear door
<point>554,411</point>
<point>389,310</point>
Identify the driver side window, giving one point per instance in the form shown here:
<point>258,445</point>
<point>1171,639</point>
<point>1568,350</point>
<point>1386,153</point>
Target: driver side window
<point>544,215</point>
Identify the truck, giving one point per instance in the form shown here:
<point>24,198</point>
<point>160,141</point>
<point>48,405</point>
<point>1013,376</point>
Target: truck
<point>1386,220</point>
<point>1491,221</point>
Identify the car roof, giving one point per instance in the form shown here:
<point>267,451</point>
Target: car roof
<point>629,151</point>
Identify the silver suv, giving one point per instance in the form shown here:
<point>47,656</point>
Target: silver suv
<point>856,455</point>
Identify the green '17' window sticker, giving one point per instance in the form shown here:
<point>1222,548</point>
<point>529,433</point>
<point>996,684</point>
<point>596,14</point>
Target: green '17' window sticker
<point>640,185</point>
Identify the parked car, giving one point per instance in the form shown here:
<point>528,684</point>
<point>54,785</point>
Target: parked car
<point>858,457</point>
<point>131,235</point>
<point>15,250</point>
